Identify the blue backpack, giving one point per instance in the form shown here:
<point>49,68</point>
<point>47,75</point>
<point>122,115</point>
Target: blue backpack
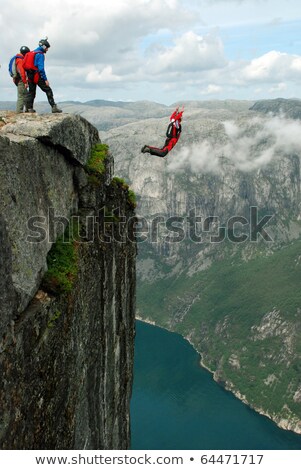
<point>12,62</point>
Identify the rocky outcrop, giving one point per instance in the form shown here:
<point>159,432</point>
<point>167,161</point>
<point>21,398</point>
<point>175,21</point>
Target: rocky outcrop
<point>291,108</point>
<point>66,353</point>
<point>37,184</point>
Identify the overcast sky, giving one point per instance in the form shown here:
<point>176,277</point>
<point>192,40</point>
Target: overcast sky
<point>160,50</point>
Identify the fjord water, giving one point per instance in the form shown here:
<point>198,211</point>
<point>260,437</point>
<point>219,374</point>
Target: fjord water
<point>177,405</point>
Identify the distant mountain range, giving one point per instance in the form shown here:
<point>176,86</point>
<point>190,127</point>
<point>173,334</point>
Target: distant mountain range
<point>108,114</point>
<point>290,108</point>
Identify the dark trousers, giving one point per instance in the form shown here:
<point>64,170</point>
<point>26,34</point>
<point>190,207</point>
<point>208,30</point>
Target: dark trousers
<point>169,144</point>
<point>158,152</point>
<point>33,88</point>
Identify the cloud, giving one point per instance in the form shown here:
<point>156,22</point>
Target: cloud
<point>249,146</point>
<point>238,12</point>
<point>273,66</point>
<point>105,76</point>
<point>102,40</point>
<point>190,53</point>
<point>200,157</point>
<point>277,88</point>
<point>91,31</point>
<point>275,21</point>
<point>211,89</point>
<point>160,49</point>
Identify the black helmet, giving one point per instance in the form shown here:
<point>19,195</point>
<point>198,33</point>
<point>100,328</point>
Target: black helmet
<point>44,43</point>
<point>24,50</point>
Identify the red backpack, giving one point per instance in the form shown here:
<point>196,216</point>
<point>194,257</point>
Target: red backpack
<point>28,64</point>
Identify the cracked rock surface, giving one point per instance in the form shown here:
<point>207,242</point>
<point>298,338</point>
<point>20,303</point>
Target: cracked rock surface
<point>36,180</point>
<point>66,359</point>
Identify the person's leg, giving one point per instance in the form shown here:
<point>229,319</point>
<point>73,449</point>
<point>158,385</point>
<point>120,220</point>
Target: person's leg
<point>169,144</point>
<point>49,94</point>
<point>46,88</point>
<point>23,96</point>
<point>158,152</point>
<point>20,99</point>
<point>32,88</point>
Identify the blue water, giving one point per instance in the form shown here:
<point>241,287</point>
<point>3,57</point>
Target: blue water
<point>176,404</point>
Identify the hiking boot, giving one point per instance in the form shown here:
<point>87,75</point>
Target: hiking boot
<point>55,109</point>
<point>145,149</point>
<point>30,110</point>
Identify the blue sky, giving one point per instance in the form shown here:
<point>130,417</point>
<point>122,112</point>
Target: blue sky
<point>160,50</point>
<point>247,42</point>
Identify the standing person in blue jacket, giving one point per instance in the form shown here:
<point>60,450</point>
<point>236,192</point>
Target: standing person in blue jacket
<point>34,66</point>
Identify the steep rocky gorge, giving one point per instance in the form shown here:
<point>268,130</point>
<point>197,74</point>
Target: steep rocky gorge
<point>232,291</point>
<point>66,351</point>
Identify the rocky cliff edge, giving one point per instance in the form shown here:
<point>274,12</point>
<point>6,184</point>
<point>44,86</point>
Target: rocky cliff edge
<point>66,343</point>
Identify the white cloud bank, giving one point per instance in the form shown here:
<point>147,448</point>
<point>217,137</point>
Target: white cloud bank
<point>273,66</point>
<point>190,53</point>
<point>249,147</point>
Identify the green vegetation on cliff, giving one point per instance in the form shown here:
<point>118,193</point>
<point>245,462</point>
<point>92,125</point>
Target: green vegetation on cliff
<point>96,162</point>
<point>131,196</point>
<point>62,262</point>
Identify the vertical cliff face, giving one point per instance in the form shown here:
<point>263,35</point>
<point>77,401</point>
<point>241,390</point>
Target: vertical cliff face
<point>67,301</point>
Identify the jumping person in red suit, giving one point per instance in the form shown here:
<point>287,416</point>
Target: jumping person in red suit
<point>172,136</point>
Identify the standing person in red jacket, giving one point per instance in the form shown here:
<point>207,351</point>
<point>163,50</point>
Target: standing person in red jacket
<point>20,79</point>
<point>172,136</point>
<point>35,69</point>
